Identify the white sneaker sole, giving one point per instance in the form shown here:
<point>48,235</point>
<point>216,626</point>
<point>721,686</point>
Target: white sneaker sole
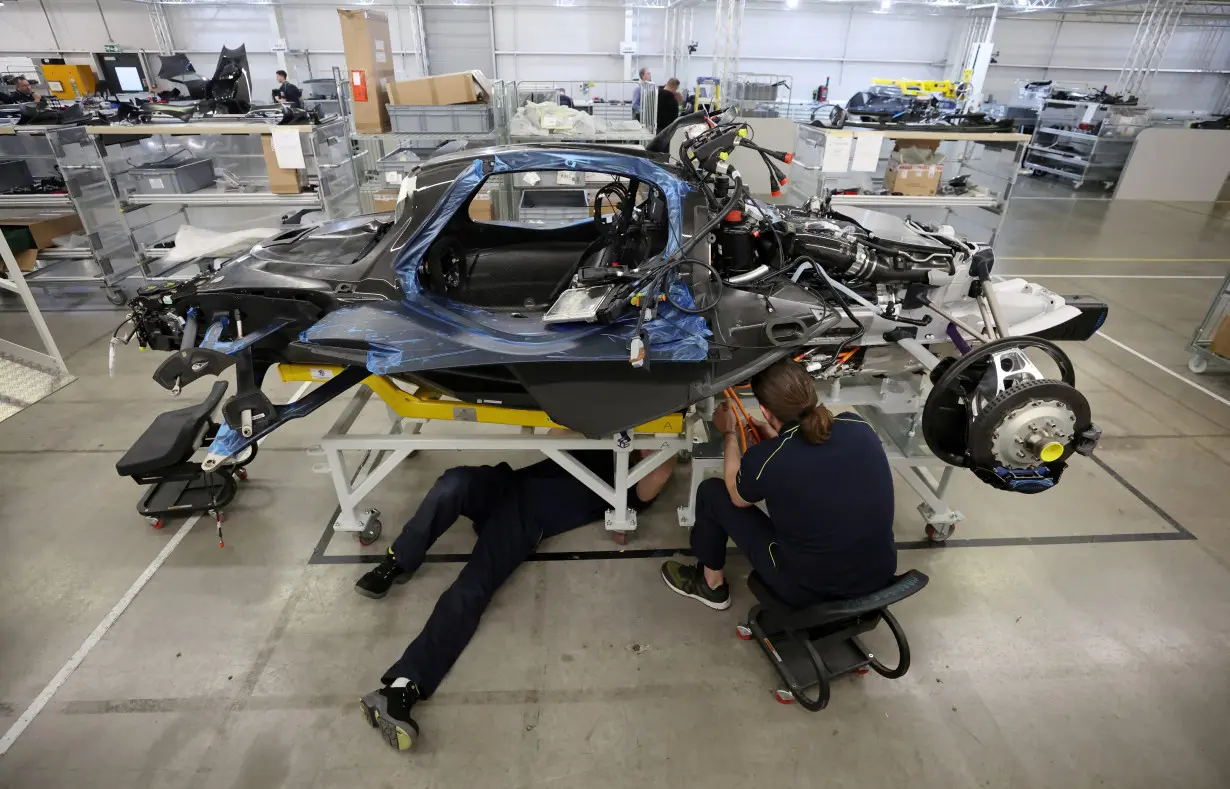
<point>715,606</point>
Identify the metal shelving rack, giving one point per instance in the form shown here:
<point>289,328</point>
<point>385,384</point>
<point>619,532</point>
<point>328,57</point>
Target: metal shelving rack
<point>125,228</point>
<point>990,159</point>
<point>31,145</point>
<point>1201,354</point>
<point>1084,142</point>
<point>760,95</point>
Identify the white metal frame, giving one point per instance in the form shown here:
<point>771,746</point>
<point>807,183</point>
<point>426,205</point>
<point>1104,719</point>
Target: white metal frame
<point>16,283</point>
<point>387,450</point>
<point>892,406</point>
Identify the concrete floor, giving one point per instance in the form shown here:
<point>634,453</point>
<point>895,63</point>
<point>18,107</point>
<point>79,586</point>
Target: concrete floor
<point>1093,656</point>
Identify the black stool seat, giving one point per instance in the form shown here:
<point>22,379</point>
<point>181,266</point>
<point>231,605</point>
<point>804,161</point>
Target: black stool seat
<point>171,439</point>
<point>824,613</point>
<point>811,646</point>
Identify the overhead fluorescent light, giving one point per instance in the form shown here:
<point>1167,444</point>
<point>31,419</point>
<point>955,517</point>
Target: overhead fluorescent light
<point>792,4</point>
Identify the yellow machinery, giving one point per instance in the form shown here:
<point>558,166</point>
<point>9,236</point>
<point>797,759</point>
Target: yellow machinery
<point>918,87</point>
<point>428,405</point>
<point>69,81</point>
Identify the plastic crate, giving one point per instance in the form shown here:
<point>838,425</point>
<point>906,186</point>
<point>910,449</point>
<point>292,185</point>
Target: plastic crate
<point>184,177</point>
<point>554,206</point>
<point>451,119</point>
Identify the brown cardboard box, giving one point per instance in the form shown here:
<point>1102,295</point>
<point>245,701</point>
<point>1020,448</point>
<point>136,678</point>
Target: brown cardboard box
<point>480,207</point>
<point>916,180</point>
<point>1221,339</point>
<point>384,201</point>
<point>44,226</point>
<point>369,62</point>
<point>281,181</point>
<point>463,87</point>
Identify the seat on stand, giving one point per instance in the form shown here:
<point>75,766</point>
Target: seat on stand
<point>162,459</point>
<point>812,646</point>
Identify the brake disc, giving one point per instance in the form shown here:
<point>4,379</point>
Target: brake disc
<point>1030,424</point>
<point>966,387</point>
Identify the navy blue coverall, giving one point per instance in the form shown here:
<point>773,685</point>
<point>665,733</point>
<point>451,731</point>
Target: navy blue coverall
<point>512,512</point>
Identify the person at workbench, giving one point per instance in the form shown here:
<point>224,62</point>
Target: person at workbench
<point>829,491</point>
<point>24,93</point>
<point>287,92</point>
<point>512,512</point>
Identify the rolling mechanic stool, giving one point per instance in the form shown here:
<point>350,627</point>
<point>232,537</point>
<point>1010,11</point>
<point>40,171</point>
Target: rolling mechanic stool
<point>162,459</point>
<point>821,641</point>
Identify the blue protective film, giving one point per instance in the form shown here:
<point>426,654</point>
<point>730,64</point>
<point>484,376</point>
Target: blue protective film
<point>426,331</point>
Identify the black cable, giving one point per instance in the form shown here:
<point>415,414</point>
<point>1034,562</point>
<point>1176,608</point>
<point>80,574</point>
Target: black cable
<point>845,306</point>
<point>721,286</point>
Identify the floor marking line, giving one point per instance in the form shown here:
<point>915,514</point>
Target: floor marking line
<point>92,640</point>
<point>1164,369</point>
<point>1125,260</point>
<point>1032,275</point>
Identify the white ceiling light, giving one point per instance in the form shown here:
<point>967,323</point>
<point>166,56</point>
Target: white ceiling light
<point>792,4</point>
<point>886,5</point>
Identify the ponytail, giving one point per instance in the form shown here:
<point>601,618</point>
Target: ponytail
<point>789,393</point>
<point>816,423</point>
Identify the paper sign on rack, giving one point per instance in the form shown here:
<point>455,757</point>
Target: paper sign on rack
<point>288,148</point>
<point>837,147</point>
<point>867,147</point>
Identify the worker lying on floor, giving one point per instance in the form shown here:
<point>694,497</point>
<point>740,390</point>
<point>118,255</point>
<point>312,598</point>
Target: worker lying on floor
<point>829,491</point>
<point>512,511</point>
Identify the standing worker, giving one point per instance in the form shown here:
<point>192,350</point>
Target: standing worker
<point>644,75</point>
<point>512,512</point>
<point>829,490</point>
<point>668,103</point>
<point>287,92</point>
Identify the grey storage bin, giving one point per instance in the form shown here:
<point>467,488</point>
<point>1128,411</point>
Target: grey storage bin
<point>401,160</point>
<point>447,119</point>
<point>14,174</point>
<point>554,206</point>
<point>175,175</point>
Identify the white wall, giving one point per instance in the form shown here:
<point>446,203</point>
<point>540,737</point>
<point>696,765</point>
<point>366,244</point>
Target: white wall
<point>539,40</point>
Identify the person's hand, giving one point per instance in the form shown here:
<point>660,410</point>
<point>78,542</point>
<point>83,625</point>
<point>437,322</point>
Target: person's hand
<point>724,419</point>
<point>763,430</point>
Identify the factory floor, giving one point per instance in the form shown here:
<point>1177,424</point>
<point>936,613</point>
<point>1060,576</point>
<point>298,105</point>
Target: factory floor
<point>1079,638</point>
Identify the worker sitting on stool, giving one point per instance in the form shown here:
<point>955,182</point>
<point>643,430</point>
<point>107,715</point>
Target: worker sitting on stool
<point>829,490</point>
<point>512,512</point>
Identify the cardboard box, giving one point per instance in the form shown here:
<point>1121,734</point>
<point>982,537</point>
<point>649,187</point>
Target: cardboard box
<point>384,201</point>
<point>463,87</point>
<point>916,180</point>
<point>44,227</point>
<point>480,207</point>
<point>1221,339</point>
<point>369,62</point>
<point>282,181</point>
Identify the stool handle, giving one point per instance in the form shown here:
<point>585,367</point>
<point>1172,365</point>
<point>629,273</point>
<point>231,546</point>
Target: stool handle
<point>822,681</point>
<point>903,649</point>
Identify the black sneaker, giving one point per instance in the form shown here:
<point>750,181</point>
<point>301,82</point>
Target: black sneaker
<point>388,709</point>
<point>689,581</point>
<point>377,582</point>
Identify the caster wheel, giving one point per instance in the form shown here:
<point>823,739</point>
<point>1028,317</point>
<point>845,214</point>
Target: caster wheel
<point>155,522</point>
<point>620,537</point>
<point>371,533</point>
<point>744,632</point>
<point>1197,364</point>
<point>940,534</point>
<point>116,296</point>
<point>242,475</point>
<point>862,671</point>
<point>783,696</point>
